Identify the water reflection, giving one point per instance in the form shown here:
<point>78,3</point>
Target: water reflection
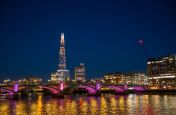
<point>82,105</point>
<point>93,105</point>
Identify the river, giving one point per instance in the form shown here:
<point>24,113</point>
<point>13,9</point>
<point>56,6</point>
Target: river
<point>85,105</point>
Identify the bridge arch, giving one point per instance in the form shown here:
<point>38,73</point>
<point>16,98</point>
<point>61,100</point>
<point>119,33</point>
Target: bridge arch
<point>90,89</point>
<point>117,89</point>
<point>7,90</point>
<point>53,90</point>
<point>137,88</point>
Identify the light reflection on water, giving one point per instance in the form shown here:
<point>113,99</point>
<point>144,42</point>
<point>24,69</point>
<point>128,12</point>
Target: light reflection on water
<point>82,105</point>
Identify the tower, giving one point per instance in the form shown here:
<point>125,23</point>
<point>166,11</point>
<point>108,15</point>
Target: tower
<point>62,73</point>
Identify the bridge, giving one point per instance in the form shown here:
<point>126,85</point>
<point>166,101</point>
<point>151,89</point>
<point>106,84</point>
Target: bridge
<point>62,89</point>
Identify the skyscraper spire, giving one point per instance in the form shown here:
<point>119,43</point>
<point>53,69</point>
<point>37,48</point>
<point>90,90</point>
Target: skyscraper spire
<point>62,41</point>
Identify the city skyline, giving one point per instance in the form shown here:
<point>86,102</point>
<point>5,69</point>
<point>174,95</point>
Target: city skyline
<point>103,35</point>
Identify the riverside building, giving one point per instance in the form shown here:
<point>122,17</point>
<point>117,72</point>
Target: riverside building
<point>162,72</point>
<point>126,78</point>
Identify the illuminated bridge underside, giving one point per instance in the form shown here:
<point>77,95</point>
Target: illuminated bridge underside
<point>90,90</point>
<point>6,90</point>
<point>53,90</point>
<point>123,89</point>
<point>137,88</point>
<point>116,89</point>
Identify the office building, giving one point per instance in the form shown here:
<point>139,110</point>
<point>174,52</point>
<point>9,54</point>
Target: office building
<point>80,73</point>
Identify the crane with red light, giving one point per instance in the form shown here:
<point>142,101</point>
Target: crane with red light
<point>141,42</point>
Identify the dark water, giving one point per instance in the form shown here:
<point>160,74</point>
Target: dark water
<point>82,105</point>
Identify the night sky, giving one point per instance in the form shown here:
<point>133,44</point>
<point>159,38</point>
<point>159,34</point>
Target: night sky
<point>102,34</point>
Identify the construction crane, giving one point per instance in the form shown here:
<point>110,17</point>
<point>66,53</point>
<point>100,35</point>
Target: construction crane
<point>141,43</point>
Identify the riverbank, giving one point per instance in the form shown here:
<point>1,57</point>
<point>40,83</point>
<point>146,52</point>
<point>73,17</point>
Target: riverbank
<point>160,92</point>
<point>145,92</point>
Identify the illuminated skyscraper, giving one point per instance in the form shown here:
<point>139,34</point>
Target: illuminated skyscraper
<point>62,73</point>
<point>80,72</point>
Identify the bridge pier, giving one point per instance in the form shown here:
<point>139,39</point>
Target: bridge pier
<point>59,94</point>
<point>97,88</point>
<point>14,96</point>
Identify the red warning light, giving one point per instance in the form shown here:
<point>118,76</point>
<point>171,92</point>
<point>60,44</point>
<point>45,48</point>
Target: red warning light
<point>141,41</point>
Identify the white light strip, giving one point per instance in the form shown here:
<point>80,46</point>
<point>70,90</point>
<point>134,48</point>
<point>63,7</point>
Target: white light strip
<point>163,77</point>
